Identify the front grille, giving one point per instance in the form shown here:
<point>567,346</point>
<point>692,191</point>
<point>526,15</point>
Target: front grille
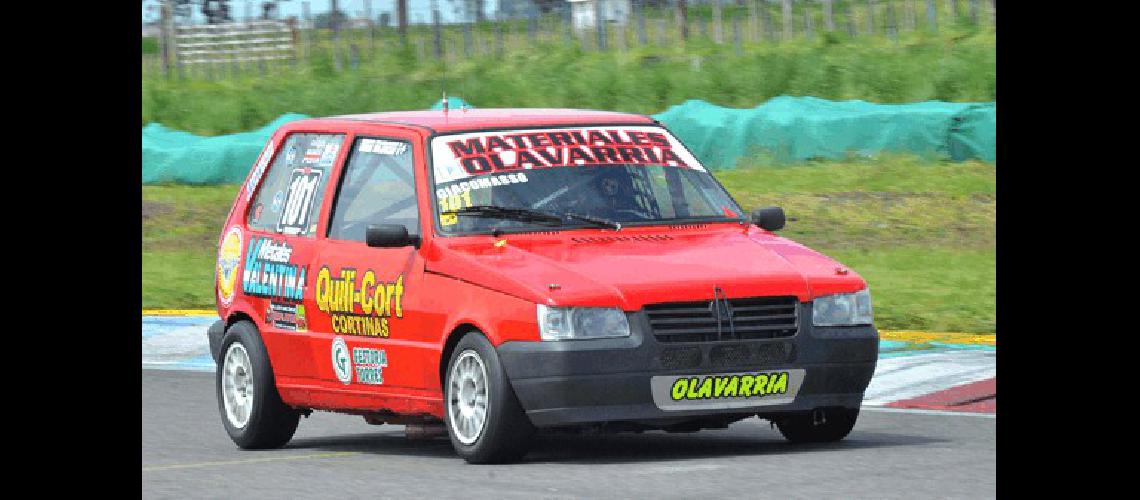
<point>674,358</point>
<point>752,355</point>
<point>752,318</point>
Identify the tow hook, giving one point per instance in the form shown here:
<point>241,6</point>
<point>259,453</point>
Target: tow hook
<point>818,417</point>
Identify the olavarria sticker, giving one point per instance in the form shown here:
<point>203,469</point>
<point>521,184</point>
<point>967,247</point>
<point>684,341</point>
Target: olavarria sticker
<point>460,156</point>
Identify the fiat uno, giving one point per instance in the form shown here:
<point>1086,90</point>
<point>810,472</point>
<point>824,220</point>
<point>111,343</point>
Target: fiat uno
<point>492,273</point>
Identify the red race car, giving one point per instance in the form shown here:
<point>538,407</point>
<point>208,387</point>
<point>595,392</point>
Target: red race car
<point>495,272</point>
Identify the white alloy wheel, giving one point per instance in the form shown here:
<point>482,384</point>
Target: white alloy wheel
<point>237,385</point>
<point>468,397</point>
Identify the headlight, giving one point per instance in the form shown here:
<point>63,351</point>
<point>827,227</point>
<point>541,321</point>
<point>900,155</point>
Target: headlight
<point>843,309</point>
<point>569,323</point>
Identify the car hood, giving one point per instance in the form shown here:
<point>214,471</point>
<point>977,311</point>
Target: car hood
<point>638,266</point>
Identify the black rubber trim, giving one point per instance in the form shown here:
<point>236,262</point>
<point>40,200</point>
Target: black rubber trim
<point>215,334</point>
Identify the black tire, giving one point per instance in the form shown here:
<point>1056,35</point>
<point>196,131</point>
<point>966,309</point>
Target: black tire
<point>801,428</point>
<point>271,423</point>
<point>507,431</point>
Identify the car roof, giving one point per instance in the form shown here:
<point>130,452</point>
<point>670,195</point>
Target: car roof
<point>456,120</point>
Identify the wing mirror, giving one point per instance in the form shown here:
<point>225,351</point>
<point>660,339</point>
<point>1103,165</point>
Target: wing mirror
<point>770,218</point>
<point>389,236</point>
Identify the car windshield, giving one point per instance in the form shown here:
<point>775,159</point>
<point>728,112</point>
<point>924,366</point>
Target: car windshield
<point>576,176</point>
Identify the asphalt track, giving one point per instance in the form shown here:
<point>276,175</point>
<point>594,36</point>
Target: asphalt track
<point>890,454</point>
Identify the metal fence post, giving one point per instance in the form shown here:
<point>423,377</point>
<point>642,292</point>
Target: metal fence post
<point>371,29</point>
<point>809,28</point>
<point>789,30</point>
<point>642,36</point>
<point>718,22</point>
<point>849,11</point>
<point>870,17</point>
<point>736,36</point>
<point>766,19</point>
<point>753,21</point>
<point>498,37</point>
<point>437,35</point>
<point>334,27</point>
<point>599,25</point>
<point>165,36</point>
<point>467,40</point>
<point>306,31</point>
<point>892,30</point>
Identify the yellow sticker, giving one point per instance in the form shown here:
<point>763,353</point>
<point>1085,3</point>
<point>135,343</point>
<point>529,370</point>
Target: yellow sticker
<point>452,203</point>
<point>229,255</point>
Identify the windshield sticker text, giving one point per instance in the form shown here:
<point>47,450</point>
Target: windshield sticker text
<point>480,153</point>
<point>382,147</point>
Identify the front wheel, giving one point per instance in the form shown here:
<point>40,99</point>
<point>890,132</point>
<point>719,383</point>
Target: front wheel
<point>832,425</point>
<point>485,421</point>
<point>252,411</point>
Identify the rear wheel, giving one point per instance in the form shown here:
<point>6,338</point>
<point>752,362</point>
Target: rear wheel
<point>484,420</point>
<point>834,425</point>
<point>252,411</point>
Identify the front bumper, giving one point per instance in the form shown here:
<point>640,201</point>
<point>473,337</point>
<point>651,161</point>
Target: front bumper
<point>608,380</point>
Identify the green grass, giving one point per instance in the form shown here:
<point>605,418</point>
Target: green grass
<point>922,234</point>
<point>933,289</point>
<point>957,64</point>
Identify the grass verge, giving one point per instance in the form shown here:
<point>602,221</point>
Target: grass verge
<point>957,64</point>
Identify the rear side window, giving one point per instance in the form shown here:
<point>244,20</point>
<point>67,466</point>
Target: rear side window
<point>294,187</point>
<point>379,188</point>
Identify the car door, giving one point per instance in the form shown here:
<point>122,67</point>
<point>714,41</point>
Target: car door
<point>282,221</point>
<point>365,320</point>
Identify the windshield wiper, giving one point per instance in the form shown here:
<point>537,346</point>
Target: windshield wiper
<point>598,221</point>
<point>519,214</point>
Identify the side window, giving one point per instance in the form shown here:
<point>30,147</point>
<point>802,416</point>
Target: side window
<point>294,187</point>
<point>378,188</point>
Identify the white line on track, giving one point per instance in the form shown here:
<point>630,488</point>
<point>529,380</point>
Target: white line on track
<point>248,461</point>
<point>939,413</point>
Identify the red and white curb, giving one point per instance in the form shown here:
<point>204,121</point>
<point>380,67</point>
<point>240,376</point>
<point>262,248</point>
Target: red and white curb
<point>946,379</point>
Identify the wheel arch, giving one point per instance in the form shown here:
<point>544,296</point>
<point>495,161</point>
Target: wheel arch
<point>453,339</point>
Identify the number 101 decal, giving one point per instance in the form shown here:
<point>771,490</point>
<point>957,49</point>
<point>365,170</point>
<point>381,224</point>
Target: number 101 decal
<point>299,201</point>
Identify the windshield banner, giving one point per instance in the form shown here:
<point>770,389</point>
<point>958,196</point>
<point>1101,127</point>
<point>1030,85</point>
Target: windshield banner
<point>460,156</point>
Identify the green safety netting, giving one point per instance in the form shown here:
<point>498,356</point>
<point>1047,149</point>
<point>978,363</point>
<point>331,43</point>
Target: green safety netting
<point>181,157</point>
<point>784,129</point>
<point>790,129</point>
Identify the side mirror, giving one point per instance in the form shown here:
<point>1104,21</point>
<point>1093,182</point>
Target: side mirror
<point>389,236</point>
<point>770,218</point>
